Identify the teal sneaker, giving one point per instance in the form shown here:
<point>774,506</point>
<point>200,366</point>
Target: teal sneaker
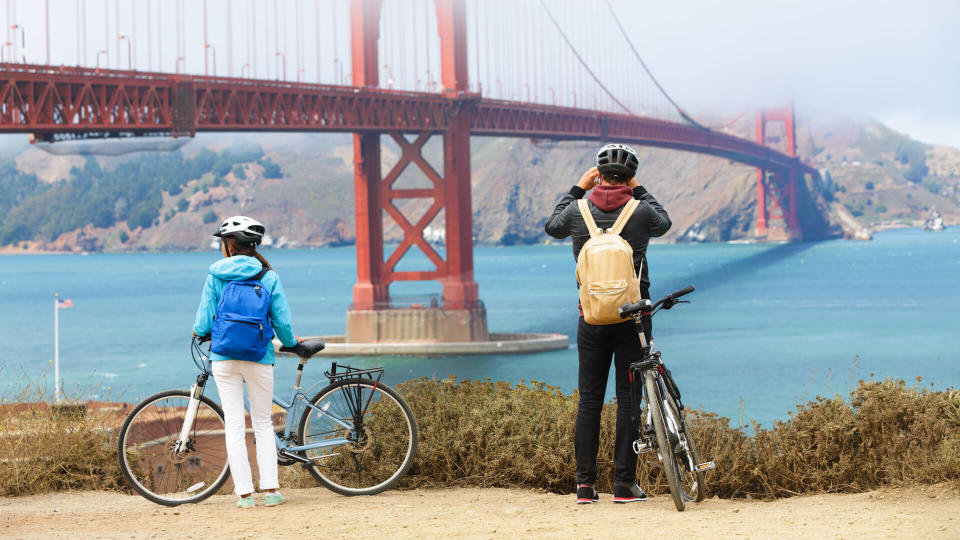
<point>246,502</point>
<point>273,499</point>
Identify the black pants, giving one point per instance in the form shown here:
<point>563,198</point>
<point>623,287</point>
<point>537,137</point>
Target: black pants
<point>597,345</point>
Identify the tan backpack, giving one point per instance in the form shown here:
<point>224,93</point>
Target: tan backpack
<point>605,269</point>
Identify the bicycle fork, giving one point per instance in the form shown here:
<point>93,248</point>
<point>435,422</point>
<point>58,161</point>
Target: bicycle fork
<point>190,416</point>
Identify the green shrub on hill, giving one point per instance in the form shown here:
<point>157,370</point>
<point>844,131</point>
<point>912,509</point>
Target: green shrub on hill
<point>271,169</point>
<point>131,192</point>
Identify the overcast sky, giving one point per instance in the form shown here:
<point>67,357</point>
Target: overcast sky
<point>898,62</point>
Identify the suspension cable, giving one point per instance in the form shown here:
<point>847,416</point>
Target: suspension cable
<point>683,114</point>
<point>582,62</point>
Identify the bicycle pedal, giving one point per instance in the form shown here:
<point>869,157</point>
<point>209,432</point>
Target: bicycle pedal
<point>706,466</point>
<point>641,447</point>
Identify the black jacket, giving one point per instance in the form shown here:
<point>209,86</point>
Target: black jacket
<point>648,221</point>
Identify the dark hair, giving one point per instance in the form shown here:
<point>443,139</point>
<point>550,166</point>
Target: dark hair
<point>239,247</point>
<point>614,180</point>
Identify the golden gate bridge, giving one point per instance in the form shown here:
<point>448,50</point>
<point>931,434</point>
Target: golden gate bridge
<point>417,69</point>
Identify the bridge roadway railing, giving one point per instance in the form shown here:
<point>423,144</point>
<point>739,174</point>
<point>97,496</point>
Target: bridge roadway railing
<point>56,103</point>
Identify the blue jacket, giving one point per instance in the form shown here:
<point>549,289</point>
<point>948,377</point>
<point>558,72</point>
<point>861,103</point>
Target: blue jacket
<point>244,267</point>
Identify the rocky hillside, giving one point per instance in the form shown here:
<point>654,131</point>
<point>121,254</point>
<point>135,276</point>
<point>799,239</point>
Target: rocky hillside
<point>881,177</point>
<point>301,185</point>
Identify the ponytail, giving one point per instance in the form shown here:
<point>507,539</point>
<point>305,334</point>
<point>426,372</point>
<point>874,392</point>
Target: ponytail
<point>235,247</point>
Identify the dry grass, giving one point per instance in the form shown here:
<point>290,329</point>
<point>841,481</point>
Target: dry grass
<point>494,434</point>
<point>42,450</point>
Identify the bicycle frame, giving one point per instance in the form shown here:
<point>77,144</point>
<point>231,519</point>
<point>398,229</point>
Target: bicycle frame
<point>297,394</point>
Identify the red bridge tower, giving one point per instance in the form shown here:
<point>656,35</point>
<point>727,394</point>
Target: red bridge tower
<point>460,316</point>
<point>777,188</point>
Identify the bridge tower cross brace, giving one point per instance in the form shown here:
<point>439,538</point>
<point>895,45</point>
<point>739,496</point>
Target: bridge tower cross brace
<point>777,188</point>
<point>373,318</point>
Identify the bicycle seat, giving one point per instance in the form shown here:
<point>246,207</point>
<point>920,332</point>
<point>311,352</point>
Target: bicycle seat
<point>305,349</point>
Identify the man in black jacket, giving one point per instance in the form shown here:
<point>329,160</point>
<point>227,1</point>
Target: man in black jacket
<point>614,184</point>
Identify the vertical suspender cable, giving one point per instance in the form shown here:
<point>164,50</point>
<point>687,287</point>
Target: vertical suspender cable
<point>116,5</point>
<point>79,46</point>
<point>533,52</point>
<point>83,29</point>
<point>276,37</point>
<point>206,42</point>
<point>296,29</point>
<point>486,52</point>
<point>229,40</point>
<point>46,15</point>
<point>336,56</point>
<point>159,39</point>
<point>149,38</point>
<point>106,29</point>
<point>176,66</point>
<point>416,49</point>
<point>316,35</point>
<point>476,43</point>
<point>426,25</point>
<point>402,71</point>
<point>133,32</point>
<point>249,22</point>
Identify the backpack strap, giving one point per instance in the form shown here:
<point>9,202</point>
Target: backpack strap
<point>262,273</point>
<point>624,216</point>
<point>588,218</point>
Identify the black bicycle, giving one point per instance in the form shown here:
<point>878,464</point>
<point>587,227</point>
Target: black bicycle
<point>661,426</point>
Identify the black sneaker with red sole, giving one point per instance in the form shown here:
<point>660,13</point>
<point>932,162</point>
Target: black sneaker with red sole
<point>586,494</point>
<point>628,494</point>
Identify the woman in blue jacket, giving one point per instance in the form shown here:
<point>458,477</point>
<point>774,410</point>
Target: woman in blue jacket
<point>239,237</point>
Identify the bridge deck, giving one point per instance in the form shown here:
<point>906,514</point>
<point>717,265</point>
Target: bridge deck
<point>60,102</point>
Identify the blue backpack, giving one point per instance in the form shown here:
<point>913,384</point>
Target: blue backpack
<point>241,327</point>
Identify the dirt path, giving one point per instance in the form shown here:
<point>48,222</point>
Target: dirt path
<point>932,512</point>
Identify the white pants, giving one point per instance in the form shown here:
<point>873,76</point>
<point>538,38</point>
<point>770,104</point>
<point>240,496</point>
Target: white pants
<point>230,376</point>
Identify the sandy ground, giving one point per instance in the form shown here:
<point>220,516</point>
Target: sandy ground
<point>931,512</point>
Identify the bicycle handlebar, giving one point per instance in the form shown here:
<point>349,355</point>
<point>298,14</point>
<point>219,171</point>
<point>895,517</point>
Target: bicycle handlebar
<point>667,302</point>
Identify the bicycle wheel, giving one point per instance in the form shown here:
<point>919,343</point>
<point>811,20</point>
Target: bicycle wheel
<point>691,481</point>
<point>148,461</point>
<point>383,441</point>
<point>664,446</point>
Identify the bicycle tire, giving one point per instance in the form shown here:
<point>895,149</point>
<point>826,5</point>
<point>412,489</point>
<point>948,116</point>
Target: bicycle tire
<point>664,448</point>
<point>149,432</point>
<point>386,448</point>
<point>692,482</point>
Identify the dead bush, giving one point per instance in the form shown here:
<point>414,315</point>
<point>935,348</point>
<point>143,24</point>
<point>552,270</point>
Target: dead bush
<point>494,434</point>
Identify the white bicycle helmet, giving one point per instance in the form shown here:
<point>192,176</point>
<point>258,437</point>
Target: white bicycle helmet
<point>242,228</point>
<point>618,162</point>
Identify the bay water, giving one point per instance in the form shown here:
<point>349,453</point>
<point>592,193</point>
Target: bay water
<point>770,326</point>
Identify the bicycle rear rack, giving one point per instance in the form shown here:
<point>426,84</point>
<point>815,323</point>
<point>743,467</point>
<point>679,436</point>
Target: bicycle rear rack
<point>350,372</point>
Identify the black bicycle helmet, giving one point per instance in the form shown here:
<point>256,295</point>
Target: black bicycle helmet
<point>242,228</point>
<point>618,162</point>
